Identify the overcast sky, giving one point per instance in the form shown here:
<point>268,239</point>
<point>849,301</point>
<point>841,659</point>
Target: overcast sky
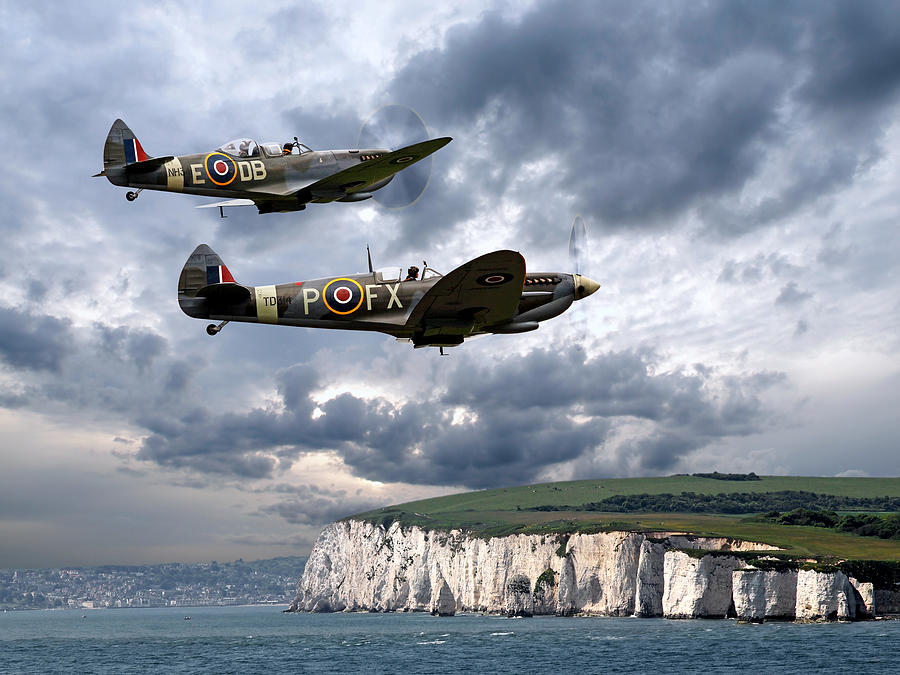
<point>736,165</point>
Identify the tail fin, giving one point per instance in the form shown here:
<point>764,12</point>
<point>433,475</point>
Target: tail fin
<point>205,281</point>
<point>203,268</point>
<point>122,147</point>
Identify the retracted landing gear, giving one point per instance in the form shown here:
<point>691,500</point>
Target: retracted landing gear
<point>212,328</point>
<point>131,195</point>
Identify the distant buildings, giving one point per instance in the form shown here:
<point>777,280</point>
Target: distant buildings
<point>271,581</point>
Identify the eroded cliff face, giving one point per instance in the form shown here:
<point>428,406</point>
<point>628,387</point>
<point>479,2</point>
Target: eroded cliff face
<point>763,595</point>
<point>358,566</point>
<point>698,587</point>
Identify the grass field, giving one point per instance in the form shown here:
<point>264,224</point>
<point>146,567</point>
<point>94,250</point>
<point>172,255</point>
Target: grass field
<point>497,512</point>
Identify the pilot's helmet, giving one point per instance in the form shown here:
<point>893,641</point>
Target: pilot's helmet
<point>288,147</point>
<point>413,271</point>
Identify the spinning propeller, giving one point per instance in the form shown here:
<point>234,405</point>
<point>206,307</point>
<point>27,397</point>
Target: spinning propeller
<point>579,251</point>
<point>579,260</point>
<point>395,127</point>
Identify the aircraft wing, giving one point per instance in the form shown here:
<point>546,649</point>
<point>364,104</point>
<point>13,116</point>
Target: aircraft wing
<point>482,292</point>
<point>358,178</point>
<point>229,202</point>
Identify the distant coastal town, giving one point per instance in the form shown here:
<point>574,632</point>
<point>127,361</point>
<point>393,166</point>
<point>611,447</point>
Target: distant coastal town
<point>271,581</point>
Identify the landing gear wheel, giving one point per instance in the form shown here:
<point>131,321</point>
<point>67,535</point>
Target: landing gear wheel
<point>131,196</point>
<point>212,328</point>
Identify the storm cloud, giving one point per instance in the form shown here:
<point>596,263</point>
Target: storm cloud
<point>483,426</point>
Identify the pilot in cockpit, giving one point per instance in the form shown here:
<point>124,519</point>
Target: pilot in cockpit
<point>412,273</point>
<point>287,149</point>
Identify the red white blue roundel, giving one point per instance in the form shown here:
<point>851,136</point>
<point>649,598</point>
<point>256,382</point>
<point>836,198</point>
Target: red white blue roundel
<point>494,278</point>
<point>342,296</point>
<point>220,168</point>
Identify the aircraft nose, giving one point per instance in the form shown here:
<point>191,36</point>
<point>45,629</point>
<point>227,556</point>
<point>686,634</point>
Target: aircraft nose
<point>584,286</point>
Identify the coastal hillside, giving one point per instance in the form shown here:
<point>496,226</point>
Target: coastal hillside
<point>768,509</point>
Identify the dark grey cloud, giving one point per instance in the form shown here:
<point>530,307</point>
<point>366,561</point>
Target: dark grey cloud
<point>855,49</point>
<point>139,347</point>
<point>33,342</point>
<point>650,111</point>
<point>482,425</point>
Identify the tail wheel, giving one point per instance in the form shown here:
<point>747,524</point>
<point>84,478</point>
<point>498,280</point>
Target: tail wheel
<point>212,328</point>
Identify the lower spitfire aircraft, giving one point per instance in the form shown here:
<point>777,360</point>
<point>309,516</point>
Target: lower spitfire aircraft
<point>273,177</point>
<point>490,294</point>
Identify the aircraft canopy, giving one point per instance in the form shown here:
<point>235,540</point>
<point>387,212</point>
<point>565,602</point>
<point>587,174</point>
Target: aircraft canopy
<point>247,147</point>
<point>241,147</point>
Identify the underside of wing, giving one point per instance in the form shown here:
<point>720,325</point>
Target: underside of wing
<point>366,174</point>
<point>483,292</point>
<point>271,204</point>
<point>229,202</point>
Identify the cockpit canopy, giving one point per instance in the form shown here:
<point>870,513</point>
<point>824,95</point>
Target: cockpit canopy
<point>241,147</point>
<point>247,147</point>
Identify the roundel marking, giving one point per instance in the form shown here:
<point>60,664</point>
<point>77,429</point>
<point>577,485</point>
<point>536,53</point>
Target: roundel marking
<point>406,159</point>
<point>494,278</point>
<point>345,294</point>
<point>220,168</point>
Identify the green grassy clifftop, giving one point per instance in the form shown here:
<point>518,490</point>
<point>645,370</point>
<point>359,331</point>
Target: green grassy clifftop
<point>578,506</point>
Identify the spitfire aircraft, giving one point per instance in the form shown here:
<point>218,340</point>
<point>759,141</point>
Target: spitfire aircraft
<point>272,176</point>
<point>490,294</point>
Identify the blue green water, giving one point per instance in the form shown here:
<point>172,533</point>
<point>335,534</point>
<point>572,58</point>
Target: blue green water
<point>262,639</point>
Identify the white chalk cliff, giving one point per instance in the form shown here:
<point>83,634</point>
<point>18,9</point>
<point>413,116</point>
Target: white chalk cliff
<point>360,566</point>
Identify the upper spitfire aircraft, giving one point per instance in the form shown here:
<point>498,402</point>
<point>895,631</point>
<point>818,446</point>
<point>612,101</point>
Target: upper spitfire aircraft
<point>490,294</point>
<point>269,175</point>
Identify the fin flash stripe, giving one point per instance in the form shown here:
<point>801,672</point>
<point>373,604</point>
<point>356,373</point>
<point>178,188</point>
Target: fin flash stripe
<point>133,150</point>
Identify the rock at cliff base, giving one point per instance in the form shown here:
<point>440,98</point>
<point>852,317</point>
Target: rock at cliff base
<point>445,604</point>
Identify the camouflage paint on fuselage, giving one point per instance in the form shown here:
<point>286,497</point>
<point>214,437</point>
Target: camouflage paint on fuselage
<point>244,177</point>
<point>354,302</point>
<point>259,172</point>
<point>490,294</point>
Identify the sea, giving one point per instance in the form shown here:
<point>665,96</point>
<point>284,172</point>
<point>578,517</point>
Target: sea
<point>266,640</point>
